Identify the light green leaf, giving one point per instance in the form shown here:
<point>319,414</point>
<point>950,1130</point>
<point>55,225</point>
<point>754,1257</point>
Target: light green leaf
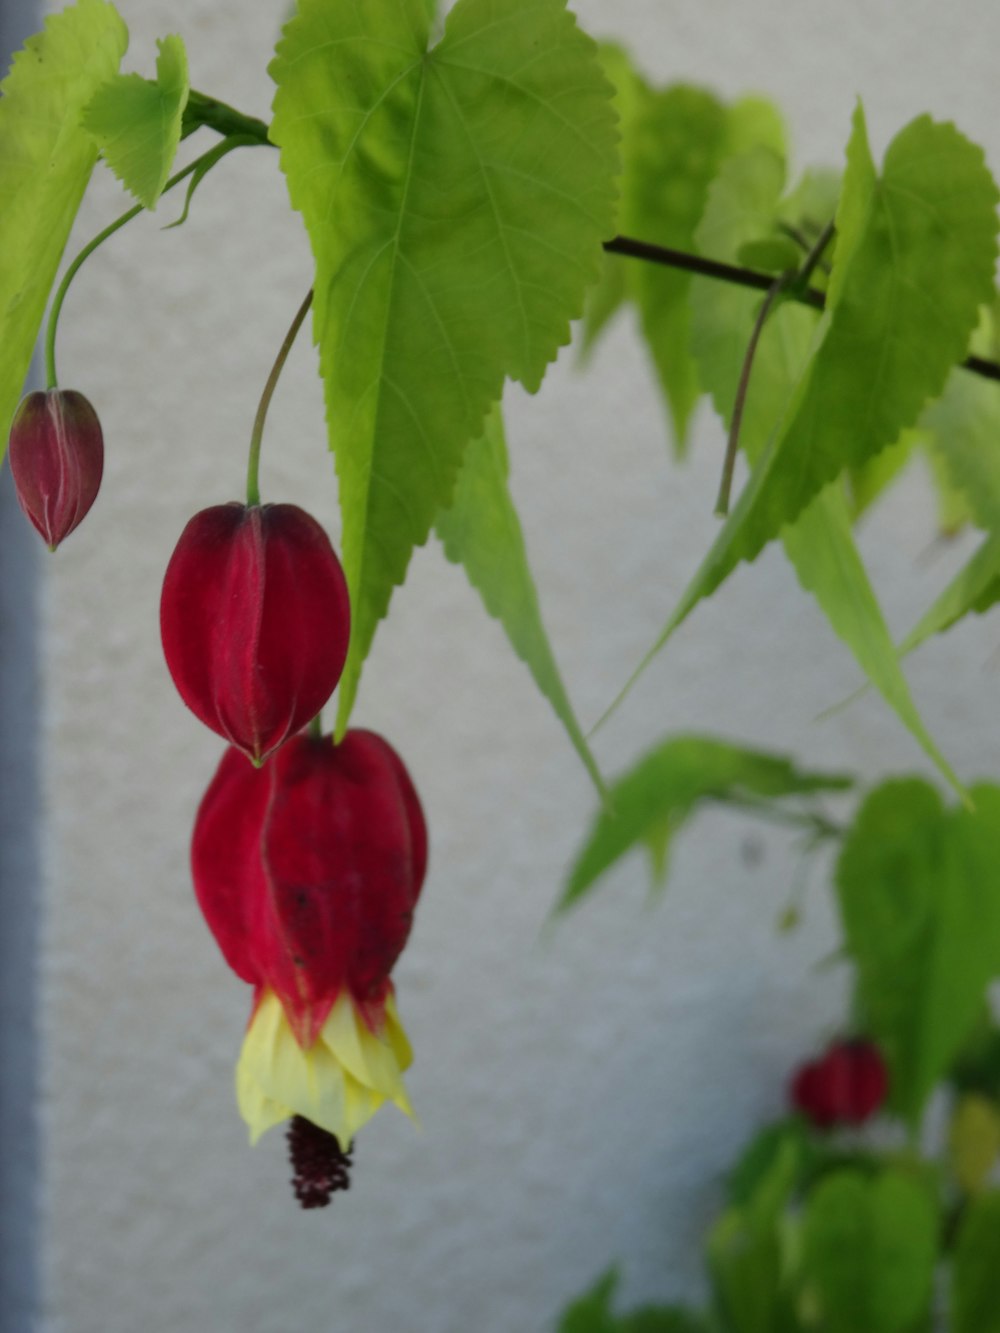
<point>481,531</point>
<point>137,122</point>
<point>975,588</point>
<point>975,1277</point>
<point>914,261</point>
<point>659,794</point>
<point>742,203</point>
<point>680,138</point>
<point>869,1252</point>
<point>919,891</point>
<point>867,481</point>
<point>773,254</point>
<point>45,164</point>
<point>964,429</point>
<point>456,199</point>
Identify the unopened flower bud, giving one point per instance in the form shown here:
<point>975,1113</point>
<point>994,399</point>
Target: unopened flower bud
<point>57,460</point>
<point>255,621</point>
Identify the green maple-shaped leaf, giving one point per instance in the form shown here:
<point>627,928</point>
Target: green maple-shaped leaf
<point>456,199</point>
<point>649,803</point>
<point>964,429</point>
<point>919,890</point>
<point>743,203</point>
<point>914,261</point>
<point>137,122</point>
<point>45,163</point>
<point>870,1247</point>
<point>481,531</point>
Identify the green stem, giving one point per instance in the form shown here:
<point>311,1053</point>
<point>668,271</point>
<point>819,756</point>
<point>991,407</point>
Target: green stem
<point>257,436</point>
<point>225,120</point>
<point>215,153</point>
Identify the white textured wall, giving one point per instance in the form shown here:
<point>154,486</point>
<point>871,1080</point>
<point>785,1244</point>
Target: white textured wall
<point>581,1089</point>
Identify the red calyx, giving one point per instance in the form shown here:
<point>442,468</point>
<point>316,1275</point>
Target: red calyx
<point>308,870</point>
<point>57,460</point>
<point>846,1087</point>
<point>255,621</point>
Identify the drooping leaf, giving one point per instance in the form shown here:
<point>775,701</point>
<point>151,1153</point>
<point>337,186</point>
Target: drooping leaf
<point>975,588</point>
<point>666,786</point>
<point>919,892</point>
<point>743,203</point>
<point>607,296</point>
<point>592,1313</point>
<point>914,260</point>
<point>964,430</point>
<point>745,1254</point>
<point>975,1274</point>
<point>456,199</point>
<point>680,138</point>
<point>137,122</point>
<point>869,1252</point>
<point>480,530</point>
<point>44,168</point>
<point>867,481</point>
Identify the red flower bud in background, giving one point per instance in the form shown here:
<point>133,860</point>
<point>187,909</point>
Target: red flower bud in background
<point>846,1087</point>
<point>255,621</point>
<point>57,460</point>
<point>307,872</point>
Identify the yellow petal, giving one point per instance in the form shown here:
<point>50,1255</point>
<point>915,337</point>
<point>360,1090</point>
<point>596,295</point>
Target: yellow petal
<point>338,1083</point>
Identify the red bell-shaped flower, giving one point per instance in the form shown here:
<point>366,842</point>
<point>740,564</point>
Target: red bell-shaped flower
<point>846,1087</point>
<point>57,460</point>
<point>308,870</point>
<point>255,621</point>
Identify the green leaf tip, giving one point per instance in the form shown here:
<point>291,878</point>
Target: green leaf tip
<point>481,531</point>
<point>463,188</point>
<point>137,122</point>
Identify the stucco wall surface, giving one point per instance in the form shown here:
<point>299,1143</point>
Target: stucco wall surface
<point>582,1087</point>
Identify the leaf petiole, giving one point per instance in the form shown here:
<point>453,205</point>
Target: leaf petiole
<point>202,164</point>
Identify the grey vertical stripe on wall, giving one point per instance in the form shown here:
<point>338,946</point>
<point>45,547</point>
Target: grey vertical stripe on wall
<point>19,867</point>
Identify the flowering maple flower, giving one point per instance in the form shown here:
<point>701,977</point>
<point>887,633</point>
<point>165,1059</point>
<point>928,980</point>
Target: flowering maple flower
<point>255,621</point>
<point>56,459</point>
<point>846,1086</point>
<point>307,871</point>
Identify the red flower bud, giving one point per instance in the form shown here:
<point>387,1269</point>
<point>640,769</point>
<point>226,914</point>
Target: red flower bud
<point>847,1086</point>
<point>308,870</point>
<point>57,459</point>
<point>255,621</point>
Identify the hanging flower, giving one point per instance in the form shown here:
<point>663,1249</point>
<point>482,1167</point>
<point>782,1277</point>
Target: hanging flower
<point>56,459</point>
<point>255,621</point>
<point>307,871</point>
<point>845,1087</point>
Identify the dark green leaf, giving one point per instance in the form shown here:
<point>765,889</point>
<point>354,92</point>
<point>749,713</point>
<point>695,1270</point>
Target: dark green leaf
<point>472,186</point>
<point>592,1312</point>
<point>975,1278</point>
<point>481,531</point>
<point>919,890</point>
<point>870,1247</point>
<point>661,791</point>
